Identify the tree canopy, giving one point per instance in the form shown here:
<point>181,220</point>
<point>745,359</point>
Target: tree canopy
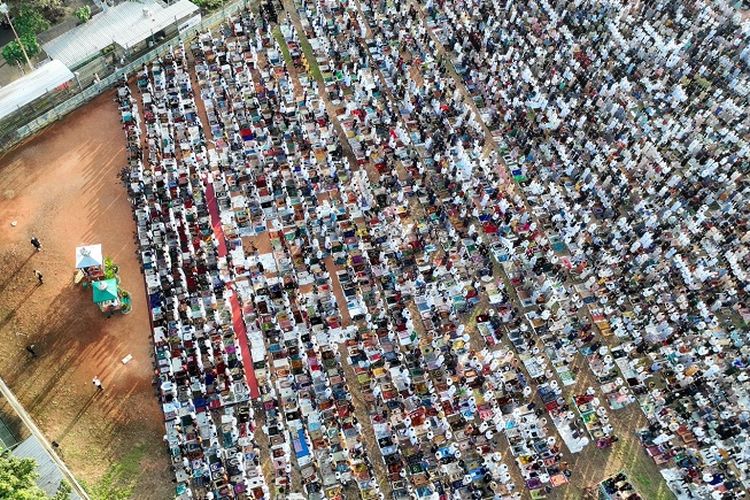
<point>18,480</point>
<point>12,51</point>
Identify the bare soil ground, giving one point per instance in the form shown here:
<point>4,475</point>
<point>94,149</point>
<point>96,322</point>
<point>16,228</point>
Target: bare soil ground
<point>63,187</point>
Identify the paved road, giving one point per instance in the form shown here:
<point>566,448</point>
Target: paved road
<point>29,423</point>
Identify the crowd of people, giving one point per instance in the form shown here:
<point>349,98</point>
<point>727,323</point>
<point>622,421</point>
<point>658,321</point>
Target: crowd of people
<point>627,123</point>
<point>377,236</point>
<point>199,371</point>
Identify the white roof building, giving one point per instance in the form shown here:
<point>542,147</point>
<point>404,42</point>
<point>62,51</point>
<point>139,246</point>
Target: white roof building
<point>50,475</point>
<point>125,24</point>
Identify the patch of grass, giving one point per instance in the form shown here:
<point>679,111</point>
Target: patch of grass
<point>311,61</point>
<point>649,483</point>
<point>119,481</point>
<point>284,47</point>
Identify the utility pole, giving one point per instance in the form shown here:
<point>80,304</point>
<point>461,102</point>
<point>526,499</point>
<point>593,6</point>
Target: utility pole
<point>4,9</point>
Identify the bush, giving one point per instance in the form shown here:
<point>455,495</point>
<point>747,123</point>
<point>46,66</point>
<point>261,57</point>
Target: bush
<point>12,52</point>
<point>208,5</point>
<point>83,13</point>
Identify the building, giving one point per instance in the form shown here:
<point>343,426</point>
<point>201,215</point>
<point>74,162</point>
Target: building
<point>50,475</point>
<point>124,30</point>
<point>89,52</point>
<point>49,78</point>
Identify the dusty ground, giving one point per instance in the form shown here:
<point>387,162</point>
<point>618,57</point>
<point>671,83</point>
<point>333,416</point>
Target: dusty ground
<point>63,187</point>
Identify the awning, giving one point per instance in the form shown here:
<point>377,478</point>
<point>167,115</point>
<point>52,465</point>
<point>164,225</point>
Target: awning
<point>88,256</point>
<point>104,290</point>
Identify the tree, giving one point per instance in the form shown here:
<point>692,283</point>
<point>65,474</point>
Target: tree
<point>17,478</point>
<point>30,20</point>
<point>208,5</point>
<point>63,491</point>
<point>52,9</point>
<point>12,51</point>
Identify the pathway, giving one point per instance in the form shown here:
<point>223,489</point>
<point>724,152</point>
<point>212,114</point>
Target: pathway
<point>238,321</point>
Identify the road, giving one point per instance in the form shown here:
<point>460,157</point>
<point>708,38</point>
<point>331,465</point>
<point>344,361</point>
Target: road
<point>29,423</point>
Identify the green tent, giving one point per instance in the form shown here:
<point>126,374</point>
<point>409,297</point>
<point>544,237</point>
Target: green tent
<point>105,290</point>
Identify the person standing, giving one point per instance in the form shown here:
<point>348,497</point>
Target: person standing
<point>39,277</point>
<point>30,350</point>
<point>98,384</point>
<point>36,243</point>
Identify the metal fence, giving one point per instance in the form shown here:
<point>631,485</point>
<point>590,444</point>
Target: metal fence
<point>7,437</point>
<point>12,137</point>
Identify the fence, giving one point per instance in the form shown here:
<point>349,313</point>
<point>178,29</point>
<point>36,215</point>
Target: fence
<point>12,137</point>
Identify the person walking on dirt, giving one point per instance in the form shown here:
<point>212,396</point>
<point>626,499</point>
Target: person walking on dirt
<point>30,349</point>
<point>36,243</point>
<point>39,277</point>
<point>98,384</point>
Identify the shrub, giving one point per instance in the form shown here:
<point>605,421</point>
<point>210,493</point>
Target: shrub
<point>83,13</point>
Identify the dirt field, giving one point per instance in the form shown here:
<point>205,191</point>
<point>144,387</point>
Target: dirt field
<point>63,187</point>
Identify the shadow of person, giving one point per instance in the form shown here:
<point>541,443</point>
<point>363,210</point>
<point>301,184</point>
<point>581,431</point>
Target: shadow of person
<point>78,416</point>
<point>12,275</point>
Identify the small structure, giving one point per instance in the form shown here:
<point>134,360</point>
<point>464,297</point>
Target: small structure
<point>89,263</point>
<point>106,295</point>
<point>103,276</point>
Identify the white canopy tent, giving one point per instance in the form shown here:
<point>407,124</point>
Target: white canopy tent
<point>89,256</point>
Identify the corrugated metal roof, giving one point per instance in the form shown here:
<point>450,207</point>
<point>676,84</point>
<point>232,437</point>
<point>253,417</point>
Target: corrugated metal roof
<point>49,475</point>
<point>26,89</point>
<point>160,20</point>
<point>125,24</point>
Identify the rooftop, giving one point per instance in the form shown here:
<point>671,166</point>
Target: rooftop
<point>49,473</point>
<point>44,79</point>
<point>125,24</point>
